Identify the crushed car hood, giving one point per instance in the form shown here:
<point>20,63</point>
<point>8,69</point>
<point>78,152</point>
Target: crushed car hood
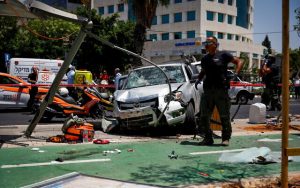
<point>144,93</point>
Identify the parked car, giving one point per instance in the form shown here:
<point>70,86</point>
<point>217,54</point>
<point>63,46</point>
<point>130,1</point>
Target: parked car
<point>238,94</point>
<point>16,95</point>
<point>145,94</point>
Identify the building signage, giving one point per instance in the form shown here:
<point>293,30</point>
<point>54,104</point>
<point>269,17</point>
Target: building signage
<point>185,44</point>
<point>197,43</point>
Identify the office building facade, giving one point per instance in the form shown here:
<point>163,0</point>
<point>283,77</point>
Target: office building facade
<point>179,28</point>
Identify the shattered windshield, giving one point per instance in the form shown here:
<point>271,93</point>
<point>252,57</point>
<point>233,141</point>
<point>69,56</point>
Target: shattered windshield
<point>153,76</point>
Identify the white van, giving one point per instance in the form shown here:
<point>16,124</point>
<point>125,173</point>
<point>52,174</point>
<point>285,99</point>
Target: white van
<point>48,68</point>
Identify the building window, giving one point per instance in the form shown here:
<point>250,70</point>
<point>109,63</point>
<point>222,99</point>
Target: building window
<point>191,34</point>
<point>177,35</point>
<point>165,36</point>
<point>165,19</point>
<point>242,17</point>
<point>230,2</point>
<point>121,7</point>
<point>221,1</point>
<point>101,10</point>
<point>110,9</point>
<point>209,15</point>
<point>177,1</point>
<point>237,37</point>
<point>191,15</point>
<point>255,55</point>
<point>178,17</point>
<point>220,17</point>
<point>153,37</point>
<point>220,35</point>
<point>229,36</point>
<point>209,33</point>
<point>243,39</point>
<point>229,19</point>
<point>154,20</point>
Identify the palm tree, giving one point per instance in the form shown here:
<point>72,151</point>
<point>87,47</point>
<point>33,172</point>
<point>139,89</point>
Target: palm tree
<point>144,11</point>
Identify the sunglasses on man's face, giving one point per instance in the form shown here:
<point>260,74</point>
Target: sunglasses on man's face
<point>207,43</point>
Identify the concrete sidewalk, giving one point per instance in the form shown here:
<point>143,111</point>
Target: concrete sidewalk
<point>150,155</point>
<point>13,135</point>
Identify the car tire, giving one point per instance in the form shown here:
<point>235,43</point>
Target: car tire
<point>242,98</point>
<point>190,120</point>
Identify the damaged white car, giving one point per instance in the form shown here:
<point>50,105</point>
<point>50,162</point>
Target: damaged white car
<point>145,101</point>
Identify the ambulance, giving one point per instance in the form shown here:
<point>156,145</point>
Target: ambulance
<point>48,68</point>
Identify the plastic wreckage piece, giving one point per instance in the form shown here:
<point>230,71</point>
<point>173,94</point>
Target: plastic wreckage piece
<point>100,141</point>
<point>250,155</point>
<point>254,155</point>
<point>172,155</point>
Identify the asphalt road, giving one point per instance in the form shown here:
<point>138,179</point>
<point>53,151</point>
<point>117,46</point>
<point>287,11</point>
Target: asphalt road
<point>23,117</point>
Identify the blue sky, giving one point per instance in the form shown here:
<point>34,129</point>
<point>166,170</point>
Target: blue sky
<point>268,18</point>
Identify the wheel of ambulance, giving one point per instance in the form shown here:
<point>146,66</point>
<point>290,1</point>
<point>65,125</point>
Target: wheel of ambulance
<point>242,98</point>
<point>190,120</point>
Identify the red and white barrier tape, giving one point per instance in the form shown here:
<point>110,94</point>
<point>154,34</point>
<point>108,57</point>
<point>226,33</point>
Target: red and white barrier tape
<point>233,84</point>
<point>64,85</point>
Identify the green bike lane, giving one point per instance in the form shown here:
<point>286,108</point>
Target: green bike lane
<point>140,162</point>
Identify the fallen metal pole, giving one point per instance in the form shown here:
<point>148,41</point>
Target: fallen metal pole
<point>49,97</point>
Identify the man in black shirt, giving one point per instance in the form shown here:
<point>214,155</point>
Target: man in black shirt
<point>215,86</point>
<point>32,79</point>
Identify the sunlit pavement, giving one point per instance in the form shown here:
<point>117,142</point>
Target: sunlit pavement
<point>169,161</point>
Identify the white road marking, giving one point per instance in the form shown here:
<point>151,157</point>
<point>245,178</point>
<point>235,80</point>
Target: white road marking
<point>54,163</point>
<point>220,151</point>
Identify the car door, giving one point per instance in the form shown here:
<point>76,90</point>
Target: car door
<point>13,96</point>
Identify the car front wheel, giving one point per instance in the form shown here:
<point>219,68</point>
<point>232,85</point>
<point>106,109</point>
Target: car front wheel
<point>190,121</point>
<point>242,98</point>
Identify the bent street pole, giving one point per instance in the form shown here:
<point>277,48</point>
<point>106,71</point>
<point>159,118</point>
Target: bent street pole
<point>285,93</point>
<point>49,97</point>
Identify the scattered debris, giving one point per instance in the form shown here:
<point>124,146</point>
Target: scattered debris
<point>254,155</point>
<point>59,159</point>
<point>111,151</point>
<point>203,174</point>
<point>130,150</point>
<point>172,155</point>
<point>100,141</point>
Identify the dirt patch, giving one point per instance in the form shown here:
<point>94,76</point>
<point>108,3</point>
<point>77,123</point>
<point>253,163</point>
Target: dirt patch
<point>267,128</point>
<point>265,182</point>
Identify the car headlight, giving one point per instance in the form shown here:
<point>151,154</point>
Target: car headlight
<point>176,96</point>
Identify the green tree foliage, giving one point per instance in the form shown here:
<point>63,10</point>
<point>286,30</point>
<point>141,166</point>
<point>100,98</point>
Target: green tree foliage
<point>8,28</point>
<point>244,57</point>
<point>295,61</point>
<point>267,44</point>
<point>96,56</point>
<point>297,26</point>
<point>44,38</point>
